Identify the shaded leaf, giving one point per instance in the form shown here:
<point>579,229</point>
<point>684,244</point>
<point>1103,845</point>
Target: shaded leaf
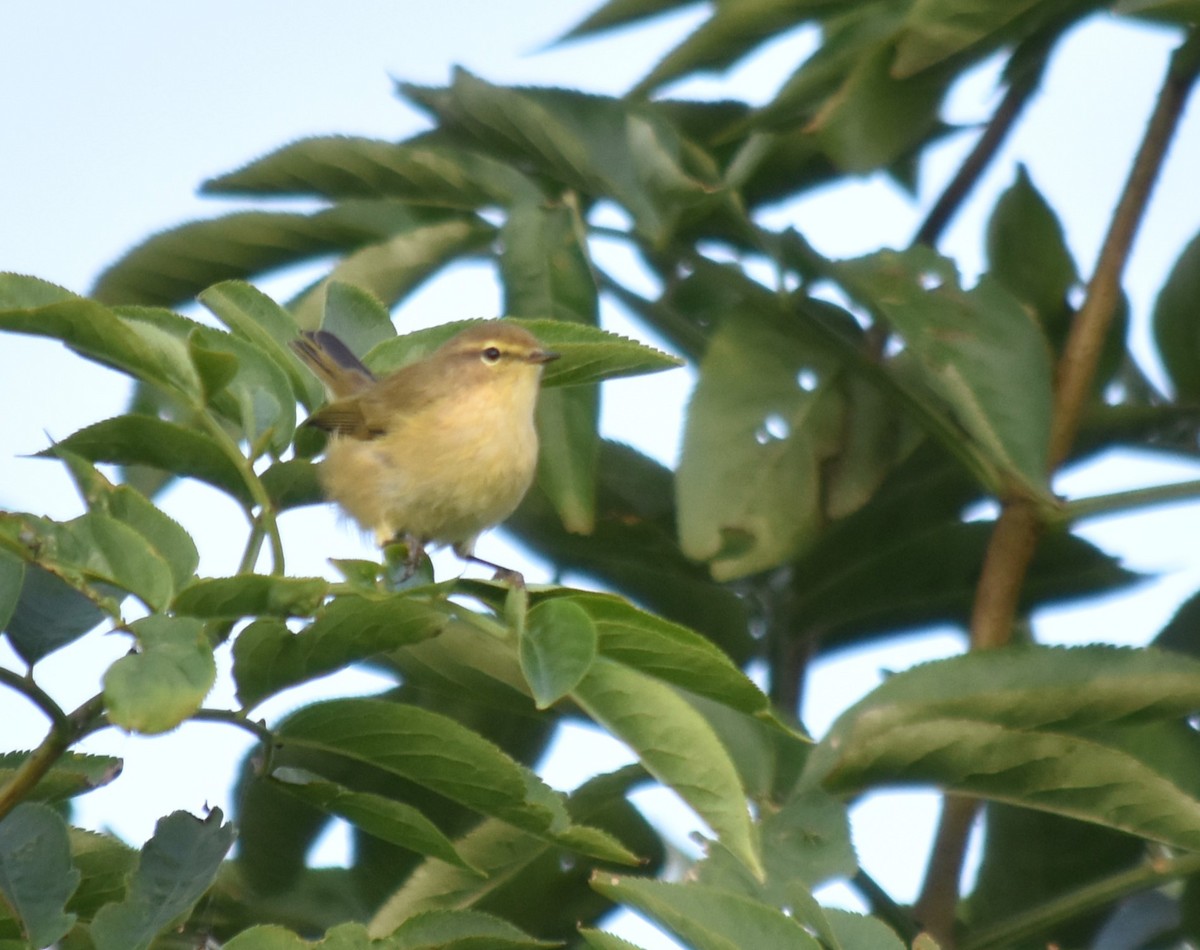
<point>557,646</point>
<point>1176,323</point>
<point>49,614</point>
<point>175,868</point>
<point>12,579</point>
<point>268,657</point>
<point>37,877</point>
<point>249,595</point>
<point>935,30</point>
<point>393,821</point>
<point>657,723</point>
<point>158,687</point>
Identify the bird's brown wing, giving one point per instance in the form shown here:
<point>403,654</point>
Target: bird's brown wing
<point>346,417</point>
<point>332,361</point>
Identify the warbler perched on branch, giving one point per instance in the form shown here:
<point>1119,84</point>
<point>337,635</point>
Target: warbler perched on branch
<point>438,451</point>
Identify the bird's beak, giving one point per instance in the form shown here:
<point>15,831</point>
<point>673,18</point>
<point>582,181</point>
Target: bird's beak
<point>542,356</point>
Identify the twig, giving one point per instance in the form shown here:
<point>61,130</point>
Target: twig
<point>1015,537</point>
<point>36,695</point>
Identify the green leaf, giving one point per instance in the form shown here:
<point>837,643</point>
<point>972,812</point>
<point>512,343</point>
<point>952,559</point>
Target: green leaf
<point>669,652</point>
<point>12,579</point>
<point>165,535</point>
<point>175,868</point>
<point>21,292</point>
<point>268,657</point>
<point>707,918</point>
<point>1028,254</point>
<point>154,690</point>
<point>248,595</point>
<point>617,13</point>
<point>978,352</point>
<point>36,875</point>
<point>356,317</point>
<point>1175,323</point>
<point>1029,726</point>
<point>587,354</point>
<point>602,940</point>
<point>94,331</point>
<point>175,265</point>
<point>91,549</point>
<point>936,30</point>
<point>392,821</point>
<point>340,167</point>
<point>748,489</point>
<point>105,863</point>
<point>72,774</point>
<point>463,930</point>
<point>431,750</point>
<point>145,440</point>
<point>676,745</point>
<point>557,647</point>
<point>256,318</point>
<point>546,273</point>
<point>292,484</point>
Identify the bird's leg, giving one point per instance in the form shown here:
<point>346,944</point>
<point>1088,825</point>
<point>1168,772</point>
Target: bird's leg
<point>505,575</point>
<point>414,550</point>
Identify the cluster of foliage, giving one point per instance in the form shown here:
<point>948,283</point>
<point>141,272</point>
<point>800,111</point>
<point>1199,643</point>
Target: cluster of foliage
<point>829,454</point>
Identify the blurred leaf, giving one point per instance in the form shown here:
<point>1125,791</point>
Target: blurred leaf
<point>602,940</point>
<point>748,489</point>
<point>268,657</point>
<point>1176,322</point>
<point>1035,856</point>
<point>1028,254</point>
<point>557,646</point>
<point>292,484</point>
<point>546,272</point>
<point>935,30</point>
<point>393,821</point>
<point>175,868</point>
<point>434,751</point>
<point>37,877</point>
<point>12,579</point>
<point>657,723</point>
<point>73,773</point>
<point>340,167</point>
<point>144,440</point>
<point>708,918</point>
<point>978,352</point>
<point>464,930</point>
<point>617,13</point>
<point>155,689</point>
<point>175,265</point>
<point>105,863</point>
<point>1029,726</point>
<point>248,595</point>
<point>390,269</point>
<point>259,320</point>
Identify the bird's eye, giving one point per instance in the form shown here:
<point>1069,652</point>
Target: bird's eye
<point>491,354</point>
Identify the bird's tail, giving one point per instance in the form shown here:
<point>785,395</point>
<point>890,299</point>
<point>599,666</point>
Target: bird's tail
<point>339,369</point>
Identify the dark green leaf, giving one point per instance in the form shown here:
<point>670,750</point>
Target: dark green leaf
<point>248,595</point>
<point>393,821</point>
<point>50,614</point>
<point>175,265</point>
<point>72,774</point>
<point>657,723</point>
<point>176,867</point>
<point>105,863</point>
<point>1176,326</point>
<point>557,646</point>
<point>12,579</point>
<point>1028,254</point>
<point>268,657</point>
<point>37,877</point>
<point>165,681</point>
<point>145,440</point>
<point>758,433</point>
<point>463,930</point>
<point>978,352</point>
<point>937,30</point>
<point>292,484</point>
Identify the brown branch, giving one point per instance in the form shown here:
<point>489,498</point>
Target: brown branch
<point>1014,539</point>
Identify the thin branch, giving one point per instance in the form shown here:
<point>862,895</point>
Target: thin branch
<point>36,695</point>
<point>1015,537</point>
<point>1122,501</point>
<point>257,727</point>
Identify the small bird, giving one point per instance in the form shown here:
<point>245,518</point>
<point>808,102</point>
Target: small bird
<point>438,451</point>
